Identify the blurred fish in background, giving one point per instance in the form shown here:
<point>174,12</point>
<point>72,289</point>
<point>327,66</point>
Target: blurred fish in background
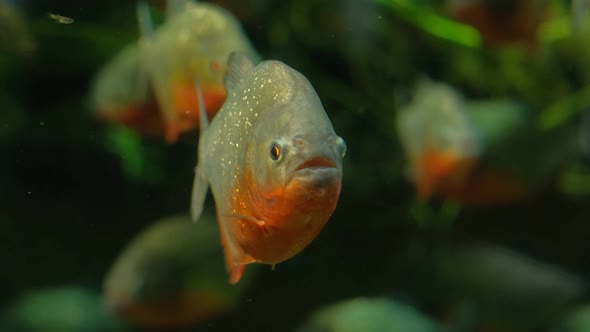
<point>60,309</point>
<point>505,290</point>
<point>378,314</point>
<point>149,86</point>
<point>123,95</point>
<point>172,275</point>
<point>15,34</point>
<point>478,151</point>
<point>440,139</point>
<point>578,320</point>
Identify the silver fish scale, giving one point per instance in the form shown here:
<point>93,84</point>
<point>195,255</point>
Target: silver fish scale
<point>223,146</point>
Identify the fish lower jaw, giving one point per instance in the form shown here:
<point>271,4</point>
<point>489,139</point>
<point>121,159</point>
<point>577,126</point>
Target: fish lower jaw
<point>317,175</point>
<point>316,162</point>
<point>315,183</point>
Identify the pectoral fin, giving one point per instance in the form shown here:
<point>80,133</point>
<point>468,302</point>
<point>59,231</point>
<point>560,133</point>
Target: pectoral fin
<point>200,186</point>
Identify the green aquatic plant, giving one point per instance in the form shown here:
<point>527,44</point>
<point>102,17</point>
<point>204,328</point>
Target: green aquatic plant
<point>434,24</point>
<point>140,162</point>
<point>560,112</point>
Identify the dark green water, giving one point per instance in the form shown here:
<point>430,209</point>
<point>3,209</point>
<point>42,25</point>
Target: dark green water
<point>74,190</point>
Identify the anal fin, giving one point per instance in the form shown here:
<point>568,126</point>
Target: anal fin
<point>235,273</point>
<point>200,186</point>
<point>235,258</point>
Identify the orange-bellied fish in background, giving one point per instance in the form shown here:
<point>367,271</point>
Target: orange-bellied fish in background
<point>172,275</point>
<point>439,138</point>
<point>478,152</point>
<point>149,86</point>
<point>273,161</point>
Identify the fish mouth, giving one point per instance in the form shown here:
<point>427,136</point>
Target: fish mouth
<point>317,171</point>
<point>315,163</point>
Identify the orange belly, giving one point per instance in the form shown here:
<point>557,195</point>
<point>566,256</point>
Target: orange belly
<point>147,118</point>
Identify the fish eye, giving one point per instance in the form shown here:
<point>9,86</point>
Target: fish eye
<point>275,151</point>
<point>341,147</point>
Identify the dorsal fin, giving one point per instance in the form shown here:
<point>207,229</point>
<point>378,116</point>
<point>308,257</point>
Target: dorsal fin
<point>238,65</point>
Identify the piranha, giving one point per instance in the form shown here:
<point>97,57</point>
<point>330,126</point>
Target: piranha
<point>273,161</point>
<point>149,86</point>
<point>172,275</point>
<point>438,136</point>
<point>121,94</point>
<point>478,152</point>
